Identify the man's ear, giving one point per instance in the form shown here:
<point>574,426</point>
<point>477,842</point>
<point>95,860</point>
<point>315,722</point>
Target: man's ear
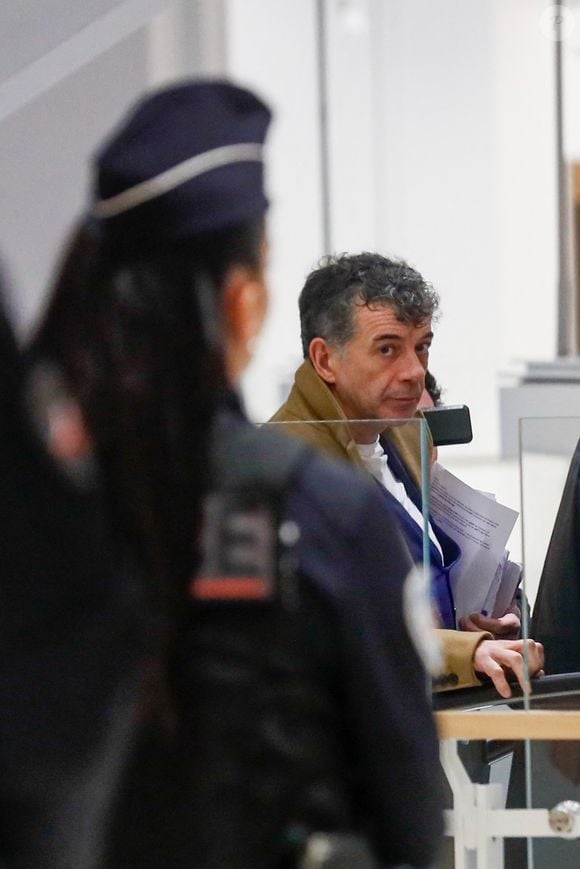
<point>322,355</point>
<point>244,305</point>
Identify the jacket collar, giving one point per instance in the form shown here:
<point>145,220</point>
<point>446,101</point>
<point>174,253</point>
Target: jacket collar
<point>316,401</point>
<point>311,399</point>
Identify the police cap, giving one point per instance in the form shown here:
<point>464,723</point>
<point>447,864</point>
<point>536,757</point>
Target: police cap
<point>187,160</point>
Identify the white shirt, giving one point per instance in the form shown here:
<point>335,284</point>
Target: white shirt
<point>376,462</point>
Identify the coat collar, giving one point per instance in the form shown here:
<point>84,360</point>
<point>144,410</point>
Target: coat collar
<point>311,403</point>
<point>311,400</point>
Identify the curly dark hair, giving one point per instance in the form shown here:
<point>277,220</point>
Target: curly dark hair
<point>339,283</point>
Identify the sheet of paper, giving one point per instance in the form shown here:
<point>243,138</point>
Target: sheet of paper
<point>489,603</point>
<point>511,575</point>
<point>481,527</point>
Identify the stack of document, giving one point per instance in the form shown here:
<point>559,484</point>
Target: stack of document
<point>484,580</point>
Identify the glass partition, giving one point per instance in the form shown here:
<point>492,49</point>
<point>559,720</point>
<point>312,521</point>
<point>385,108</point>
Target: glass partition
<point>464,531</point>
<point>514,765</point>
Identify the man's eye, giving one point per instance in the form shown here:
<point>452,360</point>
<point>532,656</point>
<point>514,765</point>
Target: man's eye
<point>423,348</point>
<point>386,351</point>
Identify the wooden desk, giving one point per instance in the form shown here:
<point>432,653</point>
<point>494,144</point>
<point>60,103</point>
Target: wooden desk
<point>509,724</point>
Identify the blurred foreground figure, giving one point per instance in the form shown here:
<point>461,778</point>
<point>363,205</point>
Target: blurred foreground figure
<point>282,696</point>
<point>71,639</point>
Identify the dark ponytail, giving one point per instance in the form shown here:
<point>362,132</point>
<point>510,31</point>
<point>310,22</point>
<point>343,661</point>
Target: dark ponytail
<point>138,336</point>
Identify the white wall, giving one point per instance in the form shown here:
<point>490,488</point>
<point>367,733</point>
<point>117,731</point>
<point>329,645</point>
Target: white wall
<point>441,152</point>
<point>271,47</point>
<point>413,152</point>
<point>351,85</point>
<point>468,184</point>
<point>525,165</point>
<point>438,183</point>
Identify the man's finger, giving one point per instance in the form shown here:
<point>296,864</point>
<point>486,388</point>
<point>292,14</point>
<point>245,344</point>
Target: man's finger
<point>509,620</point>
<point>508,626</point>
<point>485,661</point>
<point>540,654</point>
<point>497,676</point>
<point>522,673</point>
<point>534,654</point>
<point>515,662</point>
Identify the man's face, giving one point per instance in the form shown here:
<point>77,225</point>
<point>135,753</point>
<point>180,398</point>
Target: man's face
<point>380,373</point>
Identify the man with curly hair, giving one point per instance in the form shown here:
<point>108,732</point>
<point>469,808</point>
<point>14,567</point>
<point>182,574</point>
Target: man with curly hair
<point>366,328</point>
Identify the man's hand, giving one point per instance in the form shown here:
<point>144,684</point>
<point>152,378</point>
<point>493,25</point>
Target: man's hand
<point>505,628</point>
<point>495,658</point>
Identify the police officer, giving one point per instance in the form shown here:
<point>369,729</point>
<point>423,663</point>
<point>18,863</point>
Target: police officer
<point>282,696</point>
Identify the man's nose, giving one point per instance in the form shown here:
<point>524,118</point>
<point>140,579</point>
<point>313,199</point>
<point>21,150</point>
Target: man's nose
<point>412,368</point>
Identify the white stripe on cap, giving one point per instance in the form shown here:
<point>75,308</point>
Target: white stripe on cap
<point>171,178</point>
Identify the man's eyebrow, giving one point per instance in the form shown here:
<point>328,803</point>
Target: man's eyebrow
<point>388,337</point>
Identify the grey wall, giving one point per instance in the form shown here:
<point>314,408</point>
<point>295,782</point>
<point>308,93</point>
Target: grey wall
<point>31,28</point>
<point>44,148</point>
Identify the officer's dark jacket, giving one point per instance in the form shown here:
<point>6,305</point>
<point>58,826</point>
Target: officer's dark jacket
<point>305,711</point>
<point>557,609</point>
